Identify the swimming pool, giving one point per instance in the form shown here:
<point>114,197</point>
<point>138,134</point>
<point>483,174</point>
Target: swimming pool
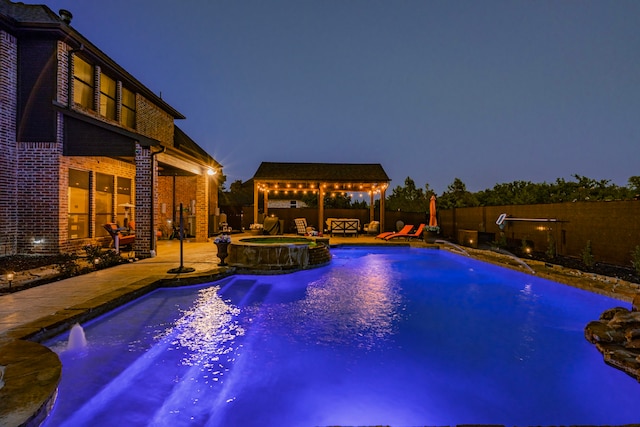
<point>398,336</point>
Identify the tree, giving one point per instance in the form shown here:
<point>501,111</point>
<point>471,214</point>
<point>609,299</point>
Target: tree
<point>634,186</point>
<point>407,198</point>
<point>457,196</point>
<point>337,201</point>
<point>239,194</point>
<point>513,193</point>
<point>359,204</point>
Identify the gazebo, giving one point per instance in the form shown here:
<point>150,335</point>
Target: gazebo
<point>321,178</point>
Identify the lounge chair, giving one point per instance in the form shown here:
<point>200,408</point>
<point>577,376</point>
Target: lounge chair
<point>415,235</point>
<point>119,240</point>
<point>406,229</point>
<point>302,227</point>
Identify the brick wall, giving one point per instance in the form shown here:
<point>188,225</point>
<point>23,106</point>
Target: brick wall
<point>34,176</point>
<point>145,195</point>
<point>187,189</point>
<point>8,108</point>
<point>153,122</point>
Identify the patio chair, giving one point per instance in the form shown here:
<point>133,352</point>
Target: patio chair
<point>119,240</point>
<point>302,227</point>
<point>410,235</point>
<point>406,229</point>
<point>372,228</point>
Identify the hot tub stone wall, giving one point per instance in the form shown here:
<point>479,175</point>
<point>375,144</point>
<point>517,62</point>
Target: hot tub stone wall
<point>277,257</point>
<point>319,255</point>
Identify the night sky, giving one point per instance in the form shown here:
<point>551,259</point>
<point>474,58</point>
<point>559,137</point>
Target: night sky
<point>486,91</point>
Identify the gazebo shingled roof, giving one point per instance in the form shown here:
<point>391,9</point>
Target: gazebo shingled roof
<point>369,177</point>
<point>328,172</point>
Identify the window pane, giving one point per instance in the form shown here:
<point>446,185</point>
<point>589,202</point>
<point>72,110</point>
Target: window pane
<point>83,94</point>
<point>107,107</point>
<point>82,83</point>
<point>82,70</point>
<point>78,213</point>
<point>104,209</point>
<point>128,117</point>
<point>124,186</point>
<point>128,111</point>
<point>104,183</point>
<point>107,97</point>
<point>128,98</point>
<point>79,179</point>
<point>124,215</point>
<point>104,202</point>
<point>108,86</point>
<point>78,204</point>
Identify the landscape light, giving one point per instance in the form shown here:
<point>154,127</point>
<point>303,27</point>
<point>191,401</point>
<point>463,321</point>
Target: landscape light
<point>10,277</point>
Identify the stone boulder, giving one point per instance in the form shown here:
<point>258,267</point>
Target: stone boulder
<point>617,336</point>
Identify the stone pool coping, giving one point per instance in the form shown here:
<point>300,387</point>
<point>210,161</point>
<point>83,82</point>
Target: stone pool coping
<point>31,383</point>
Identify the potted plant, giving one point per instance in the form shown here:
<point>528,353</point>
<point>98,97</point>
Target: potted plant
<point>430,233</point>
<point>222,242</point>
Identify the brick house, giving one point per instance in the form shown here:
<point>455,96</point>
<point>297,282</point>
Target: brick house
<point>81,139</point>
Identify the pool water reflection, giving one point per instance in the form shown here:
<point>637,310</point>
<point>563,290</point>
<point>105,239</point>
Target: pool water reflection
<point>399,336</point>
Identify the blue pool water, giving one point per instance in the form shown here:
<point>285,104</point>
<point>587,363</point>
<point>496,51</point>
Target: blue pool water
<point>393,336</point>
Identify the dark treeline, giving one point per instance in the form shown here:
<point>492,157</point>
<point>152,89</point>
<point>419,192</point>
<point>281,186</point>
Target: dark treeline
<point>409,198</point>
<point>529,193</point>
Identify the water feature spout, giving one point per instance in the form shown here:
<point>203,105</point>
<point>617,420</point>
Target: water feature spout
<point>445,242</point>
<point>77,338</point>
<point>515,258</point>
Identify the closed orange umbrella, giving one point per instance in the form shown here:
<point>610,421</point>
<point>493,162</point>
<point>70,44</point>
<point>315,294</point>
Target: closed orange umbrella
<point>433,221</point>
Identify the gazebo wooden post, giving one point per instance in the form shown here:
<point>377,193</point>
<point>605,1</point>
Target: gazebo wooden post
<point>372,210</point>
<point>266,202</point>
<point>320,207</point>
<point>382,196</point>
<point>255,201</point>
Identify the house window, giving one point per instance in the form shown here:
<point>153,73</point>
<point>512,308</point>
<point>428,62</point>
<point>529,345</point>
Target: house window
<point>83,86</point>
<point>104,202</point>
<point>124,213</point>
<point>128,111</point>
<point>108,97</point>
<point>78,204</point>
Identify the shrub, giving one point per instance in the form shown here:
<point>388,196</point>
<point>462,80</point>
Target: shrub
<point>551,247</point>
<point>68,266</point>
<point>587,255</point>
<point>110,258</point>
<point>93,252</point>
<point>501,242</point>
<point>635,259</point>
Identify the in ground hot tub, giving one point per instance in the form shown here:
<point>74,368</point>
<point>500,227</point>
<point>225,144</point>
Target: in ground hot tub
<point>278,253</point>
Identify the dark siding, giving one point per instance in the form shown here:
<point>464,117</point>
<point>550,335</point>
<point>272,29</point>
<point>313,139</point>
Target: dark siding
<point>37,89</point>
<point>85,139</point>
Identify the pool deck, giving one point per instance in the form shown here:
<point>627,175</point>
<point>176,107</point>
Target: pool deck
<point>34,314</point>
